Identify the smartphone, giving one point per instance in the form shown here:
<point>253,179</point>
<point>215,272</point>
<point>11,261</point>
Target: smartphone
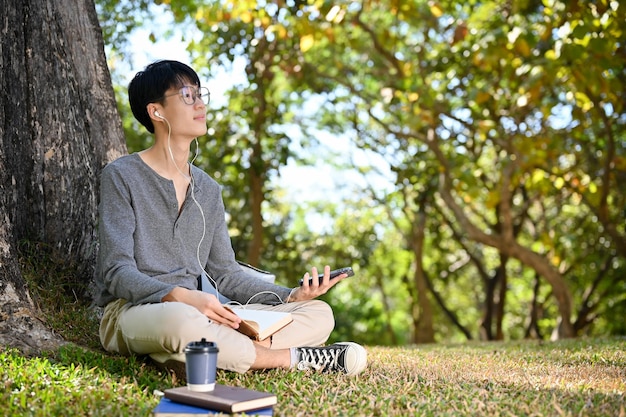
<point>333,274</point>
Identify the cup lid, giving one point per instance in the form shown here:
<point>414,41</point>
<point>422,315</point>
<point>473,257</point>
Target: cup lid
<point>202,346</point>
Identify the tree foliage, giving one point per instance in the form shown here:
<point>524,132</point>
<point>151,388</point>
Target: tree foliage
<point>502,124</point>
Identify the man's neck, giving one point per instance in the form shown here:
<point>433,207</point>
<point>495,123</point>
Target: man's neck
<point>168,162</point>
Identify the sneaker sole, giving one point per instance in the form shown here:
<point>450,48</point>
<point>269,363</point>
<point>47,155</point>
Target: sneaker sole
<point>355,359</point>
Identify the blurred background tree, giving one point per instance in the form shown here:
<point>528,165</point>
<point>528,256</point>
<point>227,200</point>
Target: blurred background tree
<point>479,151</point>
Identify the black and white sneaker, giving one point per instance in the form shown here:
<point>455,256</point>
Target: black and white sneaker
<point>347,357</point>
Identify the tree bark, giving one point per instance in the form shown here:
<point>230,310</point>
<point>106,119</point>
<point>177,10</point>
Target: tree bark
<point>58,128</point>
<point>486,324</point>
<point>503,283</point>
<point>257,197</point>
<point>424,331</point>
<point>533,331</point>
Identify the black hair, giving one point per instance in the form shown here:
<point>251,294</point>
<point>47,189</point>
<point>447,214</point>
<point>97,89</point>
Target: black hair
<point>150,85</point>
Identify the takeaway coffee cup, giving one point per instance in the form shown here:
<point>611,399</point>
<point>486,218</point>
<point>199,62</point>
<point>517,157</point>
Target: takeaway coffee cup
<point>201,365</point>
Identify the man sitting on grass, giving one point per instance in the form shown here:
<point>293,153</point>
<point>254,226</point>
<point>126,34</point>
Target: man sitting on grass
<point>162,227</point>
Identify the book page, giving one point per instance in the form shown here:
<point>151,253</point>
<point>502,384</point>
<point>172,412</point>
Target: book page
<point>264,323</point>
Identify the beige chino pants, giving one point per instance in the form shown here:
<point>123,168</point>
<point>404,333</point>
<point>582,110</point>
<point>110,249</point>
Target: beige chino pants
<point>166,328</point>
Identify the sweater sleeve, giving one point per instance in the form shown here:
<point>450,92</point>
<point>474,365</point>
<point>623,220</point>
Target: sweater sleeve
<point>117,275</point>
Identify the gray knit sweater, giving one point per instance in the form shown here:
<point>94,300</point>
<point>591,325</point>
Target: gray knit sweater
<point>147,247</point>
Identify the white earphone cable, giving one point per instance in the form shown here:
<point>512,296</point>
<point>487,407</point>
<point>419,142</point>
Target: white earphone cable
<point>193,197</point>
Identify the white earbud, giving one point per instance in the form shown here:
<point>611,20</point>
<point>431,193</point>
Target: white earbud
<point>157,114</point>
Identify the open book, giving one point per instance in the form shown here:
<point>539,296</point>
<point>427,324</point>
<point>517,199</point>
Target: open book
<point>260,324</point>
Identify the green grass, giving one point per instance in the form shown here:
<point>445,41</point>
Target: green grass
<point>479,379</point>
<point>527,378</point>
<point>568,378</point>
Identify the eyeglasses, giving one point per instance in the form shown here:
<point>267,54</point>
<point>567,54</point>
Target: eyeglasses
<point>190,94</point>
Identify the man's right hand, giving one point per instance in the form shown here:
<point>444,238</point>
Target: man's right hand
<point>207,304</point>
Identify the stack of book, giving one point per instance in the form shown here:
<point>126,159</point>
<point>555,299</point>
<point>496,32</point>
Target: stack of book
<point>224,399</point>
<point>181,401</point>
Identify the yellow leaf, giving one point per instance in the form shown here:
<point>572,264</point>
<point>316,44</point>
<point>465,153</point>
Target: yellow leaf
<point>306,42</point>
<point>246,17</point>
<point>558,183</point>
<point>199,14</point>
<point>280,31</point>
<point>493,199</point>
<point>537,176</point>
<point>521,46</point>
<point>486,124</point>
<point>582,100</point>
<point>435,9</point>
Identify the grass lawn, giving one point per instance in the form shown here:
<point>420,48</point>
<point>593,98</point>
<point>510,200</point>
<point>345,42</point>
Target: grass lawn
<point>527,378</point>
<point>581,377</point>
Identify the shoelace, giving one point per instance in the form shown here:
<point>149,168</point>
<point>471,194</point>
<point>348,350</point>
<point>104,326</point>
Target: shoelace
<point>320,359</point>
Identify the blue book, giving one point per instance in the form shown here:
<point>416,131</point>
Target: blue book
<point>169,408</point>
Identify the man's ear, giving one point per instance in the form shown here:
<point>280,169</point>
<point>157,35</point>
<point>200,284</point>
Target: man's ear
<point>154,114</point>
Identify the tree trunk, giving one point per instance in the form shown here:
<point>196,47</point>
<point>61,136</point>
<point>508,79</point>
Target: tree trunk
<point>495,297</point>
<point>486,325</point>
<point>258,168</point>
<point>256,201</point>
<point>532,330</point>
<point>503,283</point>
<point>59,126</point>
<point>424,331</point>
